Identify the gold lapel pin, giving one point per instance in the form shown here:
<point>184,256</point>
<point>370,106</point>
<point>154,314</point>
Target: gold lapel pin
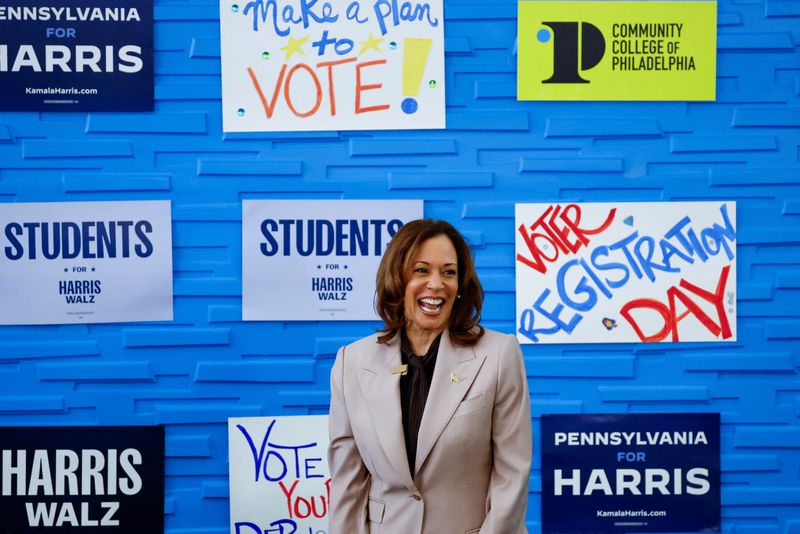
<point>454,378</point>
<point>402,369</point>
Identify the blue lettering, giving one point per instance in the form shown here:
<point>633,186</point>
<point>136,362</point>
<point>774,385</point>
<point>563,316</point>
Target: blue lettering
<point>15,250</point>
<point>603,251</point>
<point>271,246</point>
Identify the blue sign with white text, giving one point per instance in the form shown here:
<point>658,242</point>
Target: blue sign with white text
<point>630,473</point>
<point>76,55</point>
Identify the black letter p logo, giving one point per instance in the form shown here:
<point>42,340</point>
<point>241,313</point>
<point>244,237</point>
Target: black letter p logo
<point>565,50</point>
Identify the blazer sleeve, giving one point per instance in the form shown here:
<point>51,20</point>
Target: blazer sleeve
<point>349,477</point>
<point>512,443</point>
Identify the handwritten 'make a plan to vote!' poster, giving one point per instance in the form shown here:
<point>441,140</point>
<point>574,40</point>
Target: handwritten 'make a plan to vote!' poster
<point>279,476</point>
<point>294,65</point>
<point>626,272</point>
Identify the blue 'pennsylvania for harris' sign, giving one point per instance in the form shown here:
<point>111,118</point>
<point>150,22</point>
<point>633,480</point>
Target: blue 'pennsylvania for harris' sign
<point>78,55</point>
<point>82,479</point>
<point>630,473</point>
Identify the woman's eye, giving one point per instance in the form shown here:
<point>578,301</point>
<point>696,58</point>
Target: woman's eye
<point>422,270</point>
<point>450,273</point>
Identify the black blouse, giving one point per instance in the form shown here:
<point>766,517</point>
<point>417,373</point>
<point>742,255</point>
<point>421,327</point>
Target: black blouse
<point>414,388</point>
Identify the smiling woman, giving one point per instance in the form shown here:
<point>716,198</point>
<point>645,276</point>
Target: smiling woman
<point>430,418</point>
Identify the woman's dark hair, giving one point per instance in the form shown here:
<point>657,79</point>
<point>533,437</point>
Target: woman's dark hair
<point>394,271</point>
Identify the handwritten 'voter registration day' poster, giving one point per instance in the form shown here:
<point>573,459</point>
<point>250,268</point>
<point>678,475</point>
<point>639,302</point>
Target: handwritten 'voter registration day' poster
<point>279,476</point>
<point>85,262</point>
<point>316,260</point>
<point>627,272</point>
<point>292,65</point>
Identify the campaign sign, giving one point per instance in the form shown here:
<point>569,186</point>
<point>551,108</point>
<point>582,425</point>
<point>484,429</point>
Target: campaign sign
<point>279,476</point>
<point>625,473</point>
<point>82,479</point>
<point>299,65</point>
<point>601,50</point>
<point>316,260</point>
<point>626,272</point>
<point>85,262</point>
<point>81,55</point>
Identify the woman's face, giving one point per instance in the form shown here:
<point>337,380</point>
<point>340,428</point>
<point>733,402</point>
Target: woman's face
<point>432,286</point>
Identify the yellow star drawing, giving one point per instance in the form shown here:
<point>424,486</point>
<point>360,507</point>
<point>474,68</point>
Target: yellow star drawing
<point>371,42</point>
<point>295,46</point>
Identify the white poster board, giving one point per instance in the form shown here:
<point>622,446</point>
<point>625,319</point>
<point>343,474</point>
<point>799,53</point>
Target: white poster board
<point>316,260</point>
<point>294,65</point>
<point>279,476</point>
<point>85,262</point>
<point>626,272</point>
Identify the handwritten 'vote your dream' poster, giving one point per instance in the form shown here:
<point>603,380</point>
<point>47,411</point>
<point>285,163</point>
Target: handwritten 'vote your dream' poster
<point>626,272</point>
<point>279,476</point>
<point>292,65</point>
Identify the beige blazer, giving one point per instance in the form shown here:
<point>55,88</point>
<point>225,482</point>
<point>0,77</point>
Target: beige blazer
<point>473,452</point>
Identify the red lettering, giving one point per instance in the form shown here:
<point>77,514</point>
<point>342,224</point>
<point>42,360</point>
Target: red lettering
<point>670,316</point>
<point>288,496</point>
<point>360,87</point>
<point>302,507</point>
<point>330,65</point>
<point>316,84</point>
<point>573,221</point>
<point>651,304</point>
<point>269,108</point>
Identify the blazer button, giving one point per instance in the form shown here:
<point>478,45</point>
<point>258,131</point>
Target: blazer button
<point>417,497</point>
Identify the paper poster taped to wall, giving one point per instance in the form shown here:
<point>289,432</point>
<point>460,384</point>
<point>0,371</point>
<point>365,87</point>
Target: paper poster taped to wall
<point>290,65</point>
<point>315,260</point>
<point>82,479</point>
<point>85,262</point>
<point>630,473</point>
<point>617,50</point>
<point>80,55</point>
<point>279,476</point>
<point>626,272</point>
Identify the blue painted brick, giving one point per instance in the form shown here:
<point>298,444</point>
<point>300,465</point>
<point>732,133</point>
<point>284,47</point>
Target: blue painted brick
<point>750,462</point>
<point>174,337</point>
<point>147,123</point>
<point>439,180</point>
<point>75,149</point>
<point>487,121</point>
<point>95,371</point>
<point>754,41</point>
<point>116,182</point>
<point>304,398</point>
<point>788,329</point>
<point>779,116</point>
<point>653,393</point>
<point>589,366</point>
<point>782,8</point>
<point>741,362</point>
<point>759,495</point>
<point>767,437</point>
<point>206,167</point>
<point>198,446</point>
<point>212,489</point>
<point>21,350</point>
<point>284,371</point>
<point>399,147</point>
<point>585,127</point>
<point>32,403</point>
<point>196,413</point>
<point>721,143</point>
<point>559,165</point>
<point>204,48</point>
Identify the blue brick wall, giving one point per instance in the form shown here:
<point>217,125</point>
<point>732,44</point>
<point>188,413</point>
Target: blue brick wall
<point>206,365</point>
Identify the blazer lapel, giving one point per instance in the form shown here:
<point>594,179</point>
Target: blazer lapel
<point>381,388</point>
<point>456,368</point>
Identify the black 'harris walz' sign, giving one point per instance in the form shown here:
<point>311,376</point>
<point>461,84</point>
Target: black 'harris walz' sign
<point>82,479</point>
